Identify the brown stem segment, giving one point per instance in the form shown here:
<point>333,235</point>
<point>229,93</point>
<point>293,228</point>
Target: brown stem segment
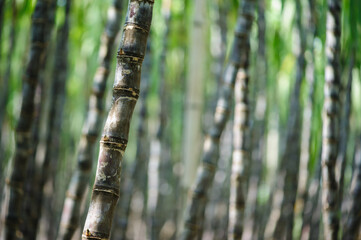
<point>241,131</point>
<point>198,196</point>
<point>116,130</point>
<point>331,118</point>
<point>23,149</point>
<point>70,219</point>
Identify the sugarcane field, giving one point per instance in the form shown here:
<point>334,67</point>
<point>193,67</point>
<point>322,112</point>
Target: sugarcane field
<point>180,120</point>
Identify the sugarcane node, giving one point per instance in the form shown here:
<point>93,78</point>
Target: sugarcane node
<point>132,25</point>
<point>126,92</point>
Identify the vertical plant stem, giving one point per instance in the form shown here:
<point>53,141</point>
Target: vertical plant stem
<point>138,181</point>
<point>306,136</point>
<point>194,100</point>
<point>57,99</point>
<point>157,144</point>
<point>2,8</point>
<point>353,222</point>
<point>198,197</point>
<point>280,223</point>
<point>258,131</point>
<point>116,130</point>
<point>311,214</point>
<point>23,149</point>
<point>33,172</point>
<point>6,79</point>
<point>331,118</point>
<point>241,131</point>
<point>70,219</point>
<point>344,132</point>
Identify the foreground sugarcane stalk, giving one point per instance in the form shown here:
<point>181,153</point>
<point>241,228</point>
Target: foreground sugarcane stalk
<point>198,198</point>
<point>116,130</point>
<point>331,118</point>
<point>70,219</point>
<point>136,181</point>
<point>241,132</point>
<point>23,149</point>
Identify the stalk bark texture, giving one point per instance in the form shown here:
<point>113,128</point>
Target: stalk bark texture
<point>331,118</point>
<point>198,196</point>
<point>241,131</point>
<point>70,219</point>
<point>116,130</point>
<point>23,146</point>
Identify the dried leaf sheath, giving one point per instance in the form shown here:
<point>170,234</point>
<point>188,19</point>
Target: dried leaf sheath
<point>23,150</point>
<point>331,116</point>
<point>241,130</point>
<point>198,198</point>
<point>92,127</point>
<point>116,130</point>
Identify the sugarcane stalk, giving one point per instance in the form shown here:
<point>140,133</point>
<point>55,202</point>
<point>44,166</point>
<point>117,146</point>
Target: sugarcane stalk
<point>6,79</point>
<point>157,144</point>
<point>198,195</point>
<point>2,8</point>
<point>57,99</point>
<point>194,99</point>
<point>241,156</point>
<point>331,118</point>
<point>344,132</point>
<point>353,222</point>
<point>23,148</point>
<point>306,135</point>
<point>311,214</point>
<point>137,177</point>
<point>70,219</point>
<point>113,143</point>
<point>258,131</point>
<point>280,224</point>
